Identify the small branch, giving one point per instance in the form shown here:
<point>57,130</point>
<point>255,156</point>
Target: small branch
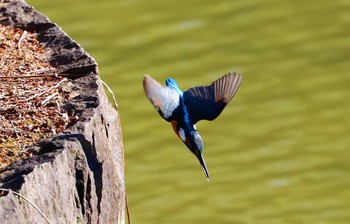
<point>14,128</point>
<point>31,203</point>
<point>28,76</point>
<point>127,209</point>
<point>36,76</point>
<point>58,107</point>
<point>41,70</point>
<point>111,92</point>
<point>121,137</point>
<point>24,34</point>
<point>48,90</point>
<point>48,99</point>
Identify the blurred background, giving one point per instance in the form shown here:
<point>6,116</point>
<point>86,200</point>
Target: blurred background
<point>279,153</point>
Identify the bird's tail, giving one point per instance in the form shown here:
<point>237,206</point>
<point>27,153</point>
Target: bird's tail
<point>204,167</point>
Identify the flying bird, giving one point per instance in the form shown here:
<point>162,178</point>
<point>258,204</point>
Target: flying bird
<point>185,109</point>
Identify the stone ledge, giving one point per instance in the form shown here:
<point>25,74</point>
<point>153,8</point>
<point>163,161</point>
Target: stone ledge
<point>77,177</point>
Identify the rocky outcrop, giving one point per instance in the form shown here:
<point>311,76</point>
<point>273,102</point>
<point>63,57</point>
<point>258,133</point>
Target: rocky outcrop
<point>78,176</point>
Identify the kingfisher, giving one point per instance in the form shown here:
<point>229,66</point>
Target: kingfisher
<point>184,109</point>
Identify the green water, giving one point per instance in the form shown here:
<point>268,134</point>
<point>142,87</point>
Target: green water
<point>279,153</point>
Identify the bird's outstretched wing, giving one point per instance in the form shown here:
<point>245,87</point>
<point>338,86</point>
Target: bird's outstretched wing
<point>207,102</point>
<point>164,99</point>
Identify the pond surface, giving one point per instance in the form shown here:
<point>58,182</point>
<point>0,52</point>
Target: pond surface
<point>279,153</point>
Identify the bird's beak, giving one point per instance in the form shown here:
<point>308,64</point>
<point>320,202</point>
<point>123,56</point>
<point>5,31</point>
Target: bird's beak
<point>204,167</point>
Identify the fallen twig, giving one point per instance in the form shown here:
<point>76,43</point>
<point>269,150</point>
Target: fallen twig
<point>48,90</point>
<point>41,75</point>
<point>48,99</point>
<point>31,76</point>
<point>42,70</point>
<point>31,203</point>
<point>111,92</point>
<point>121,137</point>
<point>14,128</point>
<point>20,40</point>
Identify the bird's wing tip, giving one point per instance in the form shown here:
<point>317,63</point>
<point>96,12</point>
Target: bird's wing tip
<point>235,75</point>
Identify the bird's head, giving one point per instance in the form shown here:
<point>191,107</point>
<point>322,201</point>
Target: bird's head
<point>173,84</point>
<point>194,143</point>
<point>197,142</point>
<point>197,149</point>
